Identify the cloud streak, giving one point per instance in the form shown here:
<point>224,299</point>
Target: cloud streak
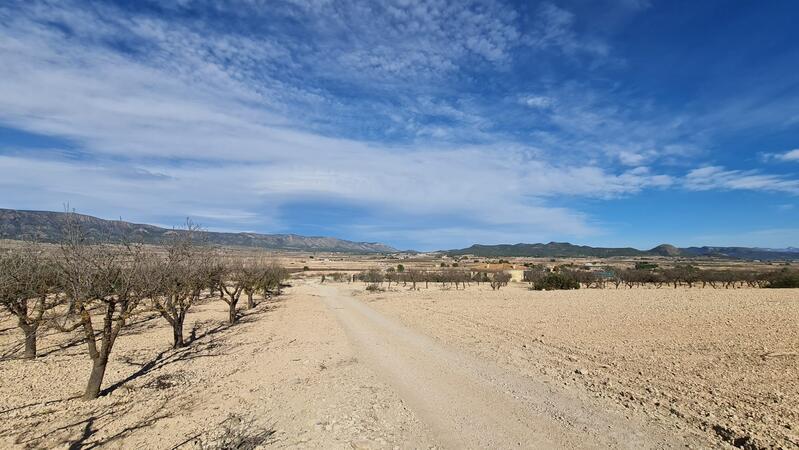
<point>716,177</point>
<point>335,102</point>
<point>792,155</point>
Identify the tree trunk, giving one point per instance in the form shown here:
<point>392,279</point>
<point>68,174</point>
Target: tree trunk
<point>30,342</point>
<point>250,302</point>
<point>177,333</point>
<point>96,378</point>
<point>232,313</point>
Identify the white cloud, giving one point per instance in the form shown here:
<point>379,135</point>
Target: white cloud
<point>631,158</point>
<point>536,101</point>
<point>555,29</point>
<point>207,124</point>
<point>717,177</point>
<point>792,155</point>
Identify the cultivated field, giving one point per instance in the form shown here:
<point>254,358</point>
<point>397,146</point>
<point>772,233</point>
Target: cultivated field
<point>723,362</point>
<point>333,365</point>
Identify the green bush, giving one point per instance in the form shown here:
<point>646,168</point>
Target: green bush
<point>556,281</point>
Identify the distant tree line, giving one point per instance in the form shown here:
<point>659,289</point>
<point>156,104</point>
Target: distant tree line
<point>414,278</point>
<point>570,276</point>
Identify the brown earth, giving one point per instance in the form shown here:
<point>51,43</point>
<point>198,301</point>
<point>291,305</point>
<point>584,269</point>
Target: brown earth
<point>287,367</point>
<point>330,366</point>
<point>724,363</point>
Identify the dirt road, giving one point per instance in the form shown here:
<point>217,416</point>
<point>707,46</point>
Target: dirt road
<point>471,403</point>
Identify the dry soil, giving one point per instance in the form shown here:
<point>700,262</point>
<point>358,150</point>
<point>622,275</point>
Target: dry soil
<point>331,366</point>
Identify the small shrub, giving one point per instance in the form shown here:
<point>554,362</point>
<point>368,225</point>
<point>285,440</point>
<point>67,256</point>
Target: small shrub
<point>305,268</point>
<point>556,281</point>
<point>338,276</point>
<point>236,432</point>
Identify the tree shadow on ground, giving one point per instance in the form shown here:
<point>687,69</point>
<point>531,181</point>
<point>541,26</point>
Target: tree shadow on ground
<point>39,433</point>
<point>12,351</point>
<point>261,307</point>
<point>84,443</point>
<point>45,403</point>
<point>75,341</point>
<point>206,339</point>
<point>197,347</point>
<point>145,322</point>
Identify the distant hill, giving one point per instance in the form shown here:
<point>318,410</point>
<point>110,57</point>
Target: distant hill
<point>665,250</point>
<point>740,253</point>
<point>566,250</point>
<point>48,226</point>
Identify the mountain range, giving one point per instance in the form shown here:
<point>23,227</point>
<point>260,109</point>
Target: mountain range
<point>564,249</point>
<point>48,226</point>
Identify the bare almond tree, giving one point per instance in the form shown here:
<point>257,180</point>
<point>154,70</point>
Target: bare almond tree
<point>500,279</point>
<point>28,291</point>
<point>250,279</point>
<point>180,278</point>
<point>273,278</point>
<point>264,278</point>
<point>232,280</point>
<point>104,285</point>
<point>413,276</point>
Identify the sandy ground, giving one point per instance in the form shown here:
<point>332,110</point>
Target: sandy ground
<point>330,366</point>
<point>471,402</point>
<point>287,367</point>
<point>722,363</point>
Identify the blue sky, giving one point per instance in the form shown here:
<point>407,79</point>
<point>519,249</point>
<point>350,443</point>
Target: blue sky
<point>421,124</point>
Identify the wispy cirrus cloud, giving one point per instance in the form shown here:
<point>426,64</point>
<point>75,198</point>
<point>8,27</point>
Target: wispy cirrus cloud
<point>716,177</point>
<point>409,109</point>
